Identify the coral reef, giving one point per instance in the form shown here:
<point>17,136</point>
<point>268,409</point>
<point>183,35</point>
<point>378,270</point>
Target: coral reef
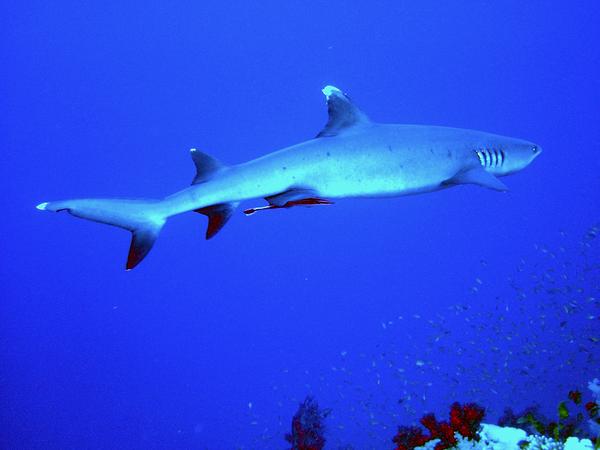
<point>570,421</point>
<point>500,437</point>
<point>307,426</point>
<point>512,419</point>
<point>464,429</point>
<point>409,438</point>
<point>494,437</point>
<point>593,409</point>
<point>537,442</point>
<point>464,421</point>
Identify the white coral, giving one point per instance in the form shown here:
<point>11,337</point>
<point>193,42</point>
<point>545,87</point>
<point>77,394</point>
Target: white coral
<point>594,386</point>
<point>494,437</point>
<point>537,442</point>
<point>573,443</point>
<point>468,444</point>
<point>502,438</point>
<point>461,444</point>
<point>429,445</point>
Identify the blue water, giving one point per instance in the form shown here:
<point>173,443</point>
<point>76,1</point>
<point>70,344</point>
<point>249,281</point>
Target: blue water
<point>466,294</point>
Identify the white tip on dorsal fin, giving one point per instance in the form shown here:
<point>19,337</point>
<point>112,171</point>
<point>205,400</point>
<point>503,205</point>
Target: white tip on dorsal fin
<point>343,114</point>
<point>329,90</point>
<point>206,166</point>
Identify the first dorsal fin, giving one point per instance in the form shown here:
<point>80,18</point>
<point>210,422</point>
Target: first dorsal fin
<point>343,114</point>
<point>206,166</point>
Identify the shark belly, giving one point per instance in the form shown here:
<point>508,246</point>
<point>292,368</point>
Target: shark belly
<point>378,171</point>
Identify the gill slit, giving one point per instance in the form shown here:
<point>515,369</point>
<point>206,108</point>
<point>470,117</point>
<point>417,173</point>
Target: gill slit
<point>491,157</point>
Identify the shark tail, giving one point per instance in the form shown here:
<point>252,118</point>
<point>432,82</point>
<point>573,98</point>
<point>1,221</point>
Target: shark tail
<point>144,218</point>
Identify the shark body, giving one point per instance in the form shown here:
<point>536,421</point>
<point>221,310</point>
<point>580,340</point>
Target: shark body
<point>351,157</point>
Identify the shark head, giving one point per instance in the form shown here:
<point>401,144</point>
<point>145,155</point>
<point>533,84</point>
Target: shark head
<point>519,154</point>
<point>508,156</point>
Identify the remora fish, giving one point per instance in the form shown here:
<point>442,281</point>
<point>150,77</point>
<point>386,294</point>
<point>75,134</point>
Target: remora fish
<point>351,157</point>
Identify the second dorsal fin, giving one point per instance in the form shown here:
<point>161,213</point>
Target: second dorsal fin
<point>343,114</point>
<point>206,166</point>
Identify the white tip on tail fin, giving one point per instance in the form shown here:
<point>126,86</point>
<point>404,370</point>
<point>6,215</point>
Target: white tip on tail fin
<point>142,217</point>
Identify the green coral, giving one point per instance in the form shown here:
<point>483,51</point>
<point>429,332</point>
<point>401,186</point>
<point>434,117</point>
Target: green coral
<point>568,423</point>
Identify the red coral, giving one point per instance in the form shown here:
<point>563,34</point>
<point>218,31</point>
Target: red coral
<point>430,422</point>
<point>307,426</point>
<point>575,396</point>
<point>592,408</point>
<point>464,420</point>
<point>408,438</point>
<point>445,433</point>
<point>439,430</point>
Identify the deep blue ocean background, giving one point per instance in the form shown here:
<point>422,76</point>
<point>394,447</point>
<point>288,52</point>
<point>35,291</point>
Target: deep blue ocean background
<point>382,309</point>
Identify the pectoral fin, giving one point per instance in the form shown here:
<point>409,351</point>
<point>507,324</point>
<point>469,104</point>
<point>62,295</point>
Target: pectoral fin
<point>289,198</point>
<point>477,175</point>
<point>293,194</point>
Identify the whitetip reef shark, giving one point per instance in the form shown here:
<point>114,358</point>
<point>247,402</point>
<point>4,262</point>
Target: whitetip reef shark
<point>351,157</point>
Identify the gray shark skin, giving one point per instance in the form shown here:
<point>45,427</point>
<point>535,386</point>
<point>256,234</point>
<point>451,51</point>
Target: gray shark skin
<point>351,157</point>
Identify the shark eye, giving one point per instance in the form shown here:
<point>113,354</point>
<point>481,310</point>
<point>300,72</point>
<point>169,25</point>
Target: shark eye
<point>535,149</point>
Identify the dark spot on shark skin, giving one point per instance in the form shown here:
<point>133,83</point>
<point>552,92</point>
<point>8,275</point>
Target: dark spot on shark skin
<point>390,149</point>
<point>328,154</point>
<point>284,168</point>
<point>449,154</point>
<point>431,151</point>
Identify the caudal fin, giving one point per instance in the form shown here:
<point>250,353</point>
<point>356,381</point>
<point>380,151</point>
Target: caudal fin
<point>142,217</point>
